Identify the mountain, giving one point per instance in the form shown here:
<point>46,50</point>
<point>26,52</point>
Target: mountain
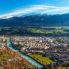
<point>36,21</point>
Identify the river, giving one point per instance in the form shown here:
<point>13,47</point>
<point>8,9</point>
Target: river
<point>29,59</point>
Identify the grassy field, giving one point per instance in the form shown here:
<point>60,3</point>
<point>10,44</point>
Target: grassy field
<point>51,30</point>
<point>41,59</point>
<point>36,30</point>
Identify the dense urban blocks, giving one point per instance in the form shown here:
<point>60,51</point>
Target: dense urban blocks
<point>51,52</point>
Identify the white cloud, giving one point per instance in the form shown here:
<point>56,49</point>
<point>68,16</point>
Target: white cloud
<point>36,9</point>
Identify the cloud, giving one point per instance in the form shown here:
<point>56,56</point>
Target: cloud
<point>42,9</point>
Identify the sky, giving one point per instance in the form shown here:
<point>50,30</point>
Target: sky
<point>11,8</point>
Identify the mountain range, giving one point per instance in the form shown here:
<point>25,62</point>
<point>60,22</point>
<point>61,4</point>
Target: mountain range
<point>36,21</point>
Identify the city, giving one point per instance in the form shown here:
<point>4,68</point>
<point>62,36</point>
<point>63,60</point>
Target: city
<point>34,34</point>
<point>54,48</point>
<point>51,52</point>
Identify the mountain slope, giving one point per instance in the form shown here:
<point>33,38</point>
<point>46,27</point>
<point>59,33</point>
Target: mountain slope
<point>37,20</point>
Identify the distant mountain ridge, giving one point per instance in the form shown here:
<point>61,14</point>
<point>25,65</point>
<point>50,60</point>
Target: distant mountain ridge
<point>36,21</point>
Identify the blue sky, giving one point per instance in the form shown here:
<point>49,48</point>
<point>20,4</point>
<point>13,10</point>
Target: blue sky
<point>10,8</point>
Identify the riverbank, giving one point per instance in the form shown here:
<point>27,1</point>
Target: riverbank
<point>33,62</point>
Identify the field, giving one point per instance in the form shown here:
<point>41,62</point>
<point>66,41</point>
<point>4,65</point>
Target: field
<point>41,59</point>
<point>54,30</point>
<point>36,31</point>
